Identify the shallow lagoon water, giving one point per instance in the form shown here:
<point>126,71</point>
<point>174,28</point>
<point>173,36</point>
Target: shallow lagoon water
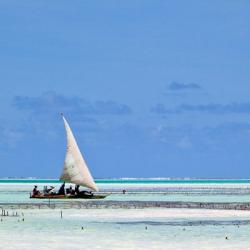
<point>154,228</point>
<point>124,229</point>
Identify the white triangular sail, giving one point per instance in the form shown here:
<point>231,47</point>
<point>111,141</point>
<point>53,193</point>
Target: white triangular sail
<point>75,168</point>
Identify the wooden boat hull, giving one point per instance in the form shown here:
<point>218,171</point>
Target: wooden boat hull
<point>59,196</point>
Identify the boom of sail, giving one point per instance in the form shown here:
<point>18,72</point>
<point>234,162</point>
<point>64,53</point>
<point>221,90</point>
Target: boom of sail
<point>75,168</point>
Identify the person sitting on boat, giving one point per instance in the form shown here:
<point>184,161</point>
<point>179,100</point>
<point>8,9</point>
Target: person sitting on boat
<point>45,189</point>
<point>70,190</point>
<point>62,190</point>
<point>77,191</point>
<point>36,191</point>
<point>86,192</point>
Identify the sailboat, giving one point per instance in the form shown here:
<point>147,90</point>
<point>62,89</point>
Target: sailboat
<point>75,171</point>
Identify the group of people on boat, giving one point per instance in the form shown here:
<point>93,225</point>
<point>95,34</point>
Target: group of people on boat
<point>62,191</point>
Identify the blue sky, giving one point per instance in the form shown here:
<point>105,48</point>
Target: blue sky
<point>150,88</point>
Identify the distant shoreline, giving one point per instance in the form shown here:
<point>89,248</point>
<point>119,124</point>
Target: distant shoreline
<point>134,181</point>
<point>130,178</point>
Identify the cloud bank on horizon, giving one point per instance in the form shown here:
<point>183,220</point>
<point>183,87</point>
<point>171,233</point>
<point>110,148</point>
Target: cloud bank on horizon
<point>176,86</point>
<point>111,139</point>
<point>51,102</point>
<point>213,108</point>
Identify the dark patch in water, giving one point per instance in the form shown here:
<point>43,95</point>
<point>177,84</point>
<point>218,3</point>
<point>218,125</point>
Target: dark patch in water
<point>184,223</point>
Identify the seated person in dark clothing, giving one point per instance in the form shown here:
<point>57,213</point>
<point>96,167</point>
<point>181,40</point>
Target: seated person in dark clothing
<point>36,191</point>
<point>77,191</point>
<point>87,192</point>
<point>70,190</point>
<point>84,192</point>
<point>62,190</point>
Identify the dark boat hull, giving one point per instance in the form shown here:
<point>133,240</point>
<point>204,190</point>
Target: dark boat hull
<point>60,196</point>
